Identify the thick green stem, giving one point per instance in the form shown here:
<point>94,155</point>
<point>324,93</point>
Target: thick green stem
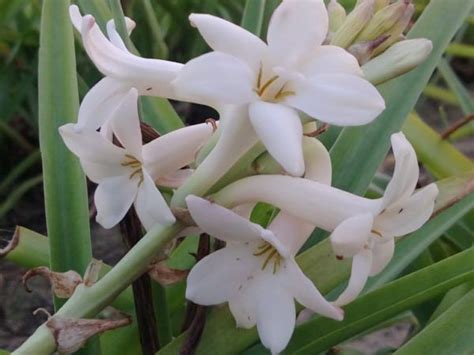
<point>88,301</point>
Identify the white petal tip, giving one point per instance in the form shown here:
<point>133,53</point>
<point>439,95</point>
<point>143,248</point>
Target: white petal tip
<point>88,22</point>
<point>338,313</point>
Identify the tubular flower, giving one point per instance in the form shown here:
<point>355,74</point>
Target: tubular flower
<point>362,228</point>
<point>256,274</point>
<point>292,72</point>
<point>369,239</point>
<point>125,175</point>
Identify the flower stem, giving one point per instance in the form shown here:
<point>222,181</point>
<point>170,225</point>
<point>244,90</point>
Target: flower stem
<point>88,301</point>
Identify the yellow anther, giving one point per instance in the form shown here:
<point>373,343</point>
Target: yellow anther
<point>267,84</point>
<point>271,254</point>
<point>376,232</point>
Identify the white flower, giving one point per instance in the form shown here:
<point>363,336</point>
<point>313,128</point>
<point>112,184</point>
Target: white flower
<point>369,239</point>
<point>363,228</point>
<point>126,176</point>
<point>273,250</point>
<point>255,273</point>
<point>293,72</point>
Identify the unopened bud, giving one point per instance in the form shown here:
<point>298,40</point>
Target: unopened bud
<point>380,4</point>
<point>364,51</point>
<point>397,60</point>
<point>354,24</point>
<point>337,15</point>
<point>384,21</point>
<point>397,31</point>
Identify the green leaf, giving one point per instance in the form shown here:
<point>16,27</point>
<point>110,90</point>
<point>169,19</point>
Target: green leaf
<point>382,304</point>
<point>67,209</point>
<point>252,18</point>
<point>97,8</point>
<point>451,333</point>
<point>359,151</point>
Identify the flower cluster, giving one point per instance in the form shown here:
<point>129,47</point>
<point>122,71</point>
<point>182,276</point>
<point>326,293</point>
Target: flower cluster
<point>264,92</point>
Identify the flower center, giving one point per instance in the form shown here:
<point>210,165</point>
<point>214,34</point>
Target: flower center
<point>271,90</point>
<point>271,255</point>
<point>136,166</point>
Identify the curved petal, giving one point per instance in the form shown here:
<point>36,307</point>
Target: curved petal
<point>291,231</point>
<point>221,222</point>
<point>275,316</point>
<point>216,77</point>
<point>96,172</point>
<point>100,103</point>
<point>91,146</point>
<point>314,202</point>
<point>176,179</point>
<point>169,153</point>
<point>150,205</point>
<point>406,173</point>
<point>344,100</point>
<point>408,215</point>
<point>350,237</point>
<point>126,124</point>
<point>218,277</point>
<point>113,198</point>
<point>149,76</point>
<point>382,253</point>
<point>361,266</point>
<point>296,27</point>
<point>331,60</point>
<point>280,129</point>
<point>243,307</point>
<point>114,36</point>
<point>317,161</point>
<point>304,291</point>
<point>223,36</point>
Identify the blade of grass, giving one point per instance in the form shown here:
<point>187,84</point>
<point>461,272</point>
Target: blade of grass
<point>65,191</point>
<point>13,197</point>
<point>358,151</point>
<point>439,156</point>
<point>252,19</point>
<point>451,333</point>
<point>98,8</point>
<point>19,169</point>
<point>155,28</point>
<point>463,96</point>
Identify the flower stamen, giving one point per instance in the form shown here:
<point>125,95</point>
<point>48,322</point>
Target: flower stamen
<point>376,232</point>
<point>136,165</point>
<point>271,254</point>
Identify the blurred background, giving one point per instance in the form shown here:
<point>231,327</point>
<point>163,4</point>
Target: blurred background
<point>162,31</point>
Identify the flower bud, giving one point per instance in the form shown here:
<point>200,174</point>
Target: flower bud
<point>397,60</point>
<point>354,24</point>
<point>397,31</point>
<point>384,21</point>
<point>364,51</point>
<point>337,15</point>
<point>380,4</point>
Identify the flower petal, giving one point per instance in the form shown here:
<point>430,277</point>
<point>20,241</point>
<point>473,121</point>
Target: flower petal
<point>331,60</point>
<point>216,77</point>
<point>314,202</point>
<point>304,291</point>
<point>96,172</point>
<point>317,161</point>
<point>406,173</point>
<point>221,222</point>
<point>126,124</point>
<point>176,179</point>
<point>361,266</point>
<point>243,308</point>
<point>150,205</point>
<point>291,231</point>
<point>275,316</point>
<point>223,36</point>
<point>349,238</point>
<point>170,152</point>
<point>149,76</point>
<point>344,100</point>
<point>408,215</point>
<point>113,198</point>
<point>280,129</point>
<point>382,254</point>
<point>91,146</point>
<point>296,27</point>
<point>114,36</point>
<point>100,103</point>
<point>218,277</point>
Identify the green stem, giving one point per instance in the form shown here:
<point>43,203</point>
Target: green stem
<point>67,210</point>
<point>88,301</point>
<point>161,314</point>
<point>120,25</point>
<point>460,50</point>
